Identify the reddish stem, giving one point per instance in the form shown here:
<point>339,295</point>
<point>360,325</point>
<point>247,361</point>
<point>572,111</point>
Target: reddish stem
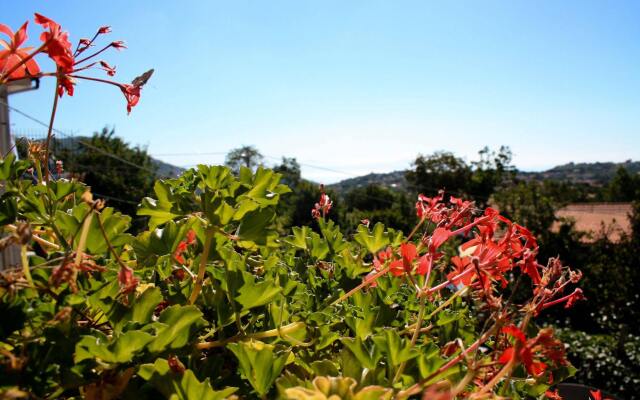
<point>93,55</point>
<point>50,131</point>
<point>560,300</point>
<point>448,281</point>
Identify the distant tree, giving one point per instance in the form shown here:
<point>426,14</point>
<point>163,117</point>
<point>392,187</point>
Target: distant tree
<point>295,207</point>
<point>441,170</point>
<point>290,170</point>
<point>120,183</point>
<point>377,204</point>
<point>491,171</point>
<point>247,156</point>
<point>528,204</point>
<point>477,180</point>
<point>623,187</point>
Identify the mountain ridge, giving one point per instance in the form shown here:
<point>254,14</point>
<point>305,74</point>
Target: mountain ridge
<point>596,173</point>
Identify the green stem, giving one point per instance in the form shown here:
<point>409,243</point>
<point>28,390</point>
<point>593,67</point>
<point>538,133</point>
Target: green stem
<point>25,264</point>
<point>449,301</point>
<point>282,331</point>
<point>106,239</point>
<point>203,267</point>
<point>50,131</point>
<point>414,338</point>
<point>364,283</point>
<point>82,243</point>
<point>416,388</point>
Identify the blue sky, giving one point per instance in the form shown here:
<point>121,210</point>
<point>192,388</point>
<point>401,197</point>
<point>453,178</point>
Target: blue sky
<point>358,86</point>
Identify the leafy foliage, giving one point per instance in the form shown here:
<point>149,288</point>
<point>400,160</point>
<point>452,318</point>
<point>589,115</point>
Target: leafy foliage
<point>211,301</point>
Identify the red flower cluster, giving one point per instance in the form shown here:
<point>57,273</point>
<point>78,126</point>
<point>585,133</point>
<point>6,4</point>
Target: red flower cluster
<point>497,247</point>
<point>18,62</point>
<point>323,206</point>
<point>184,244</point>
<point>530,351</point>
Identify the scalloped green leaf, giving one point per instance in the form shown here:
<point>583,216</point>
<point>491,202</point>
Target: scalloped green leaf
<point>180,386</point>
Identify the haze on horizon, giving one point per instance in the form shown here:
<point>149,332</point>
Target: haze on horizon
<point>361,86</point>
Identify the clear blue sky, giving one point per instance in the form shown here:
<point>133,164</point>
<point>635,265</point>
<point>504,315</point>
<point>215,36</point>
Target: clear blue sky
<point>360,86</point>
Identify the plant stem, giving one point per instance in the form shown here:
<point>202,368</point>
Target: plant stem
<point>202,268</point>
<point>51,120</point>
<point>418,386</point>
<point>106,239</point>
<point>415,229</point>
<point>82,243</point>
<point>414,338</point>
<point>25,264</point>
<point>36,238</point>
<point>364,283</point>
<point>282,331</point>
<point>449,301</point>
<point>93,55</point>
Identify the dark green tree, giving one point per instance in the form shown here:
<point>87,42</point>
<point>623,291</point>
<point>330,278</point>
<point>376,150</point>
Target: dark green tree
<point>441,170</point>
<point>245,156</point>
<point>528,204</point>
<point>118,182</point>
<point>623,187</point>
<point>477,180</point>
<point>378,204</point>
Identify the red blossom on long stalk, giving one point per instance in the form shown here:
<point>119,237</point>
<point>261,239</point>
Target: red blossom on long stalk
<point>14,57</point>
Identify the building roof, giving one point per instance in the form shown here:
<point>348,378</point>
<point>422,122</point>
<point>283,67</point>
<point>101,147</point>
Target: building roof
<point>611,219</point>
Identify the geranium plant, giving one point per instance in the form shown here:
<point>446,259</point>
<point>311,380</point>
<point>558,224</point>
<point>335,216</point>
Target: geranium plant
<point>211,302</point>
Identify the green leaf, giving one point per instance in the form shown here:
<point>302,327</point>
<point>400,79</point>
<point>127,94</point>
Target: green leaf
<point>319,246</point>
<point>397,350</point>
<point>120,350</point>
<point>253,227</point>
<point>257,294</point>
<point>373,241</point>
<point>159,210</point>
<point>299,237</point>
<point>260,364</point>
<point>180,386</point>
<point>429,360</point>
<point>367,356</point>
<point>176,326</point>
<point>353,266</point>
<point>446,317</point>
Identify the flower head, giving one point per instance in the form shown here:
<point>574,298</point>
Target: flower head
<point>12,55</point>
<point>57,43</point>
<point>323,206</point>
<point>118,45</point>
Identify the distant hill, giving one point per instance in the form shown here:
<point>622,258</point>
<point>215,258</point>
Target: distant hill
<point>73,143</point>
<point>167,170</point>
<point>598,173</point>
<point>393,180</point>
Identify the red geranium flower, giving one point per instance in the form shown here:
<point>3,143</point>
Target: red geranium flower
<point>131,94</point>
<point>524,354</point>
<point>57,43</point>
<point>12,54</point>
